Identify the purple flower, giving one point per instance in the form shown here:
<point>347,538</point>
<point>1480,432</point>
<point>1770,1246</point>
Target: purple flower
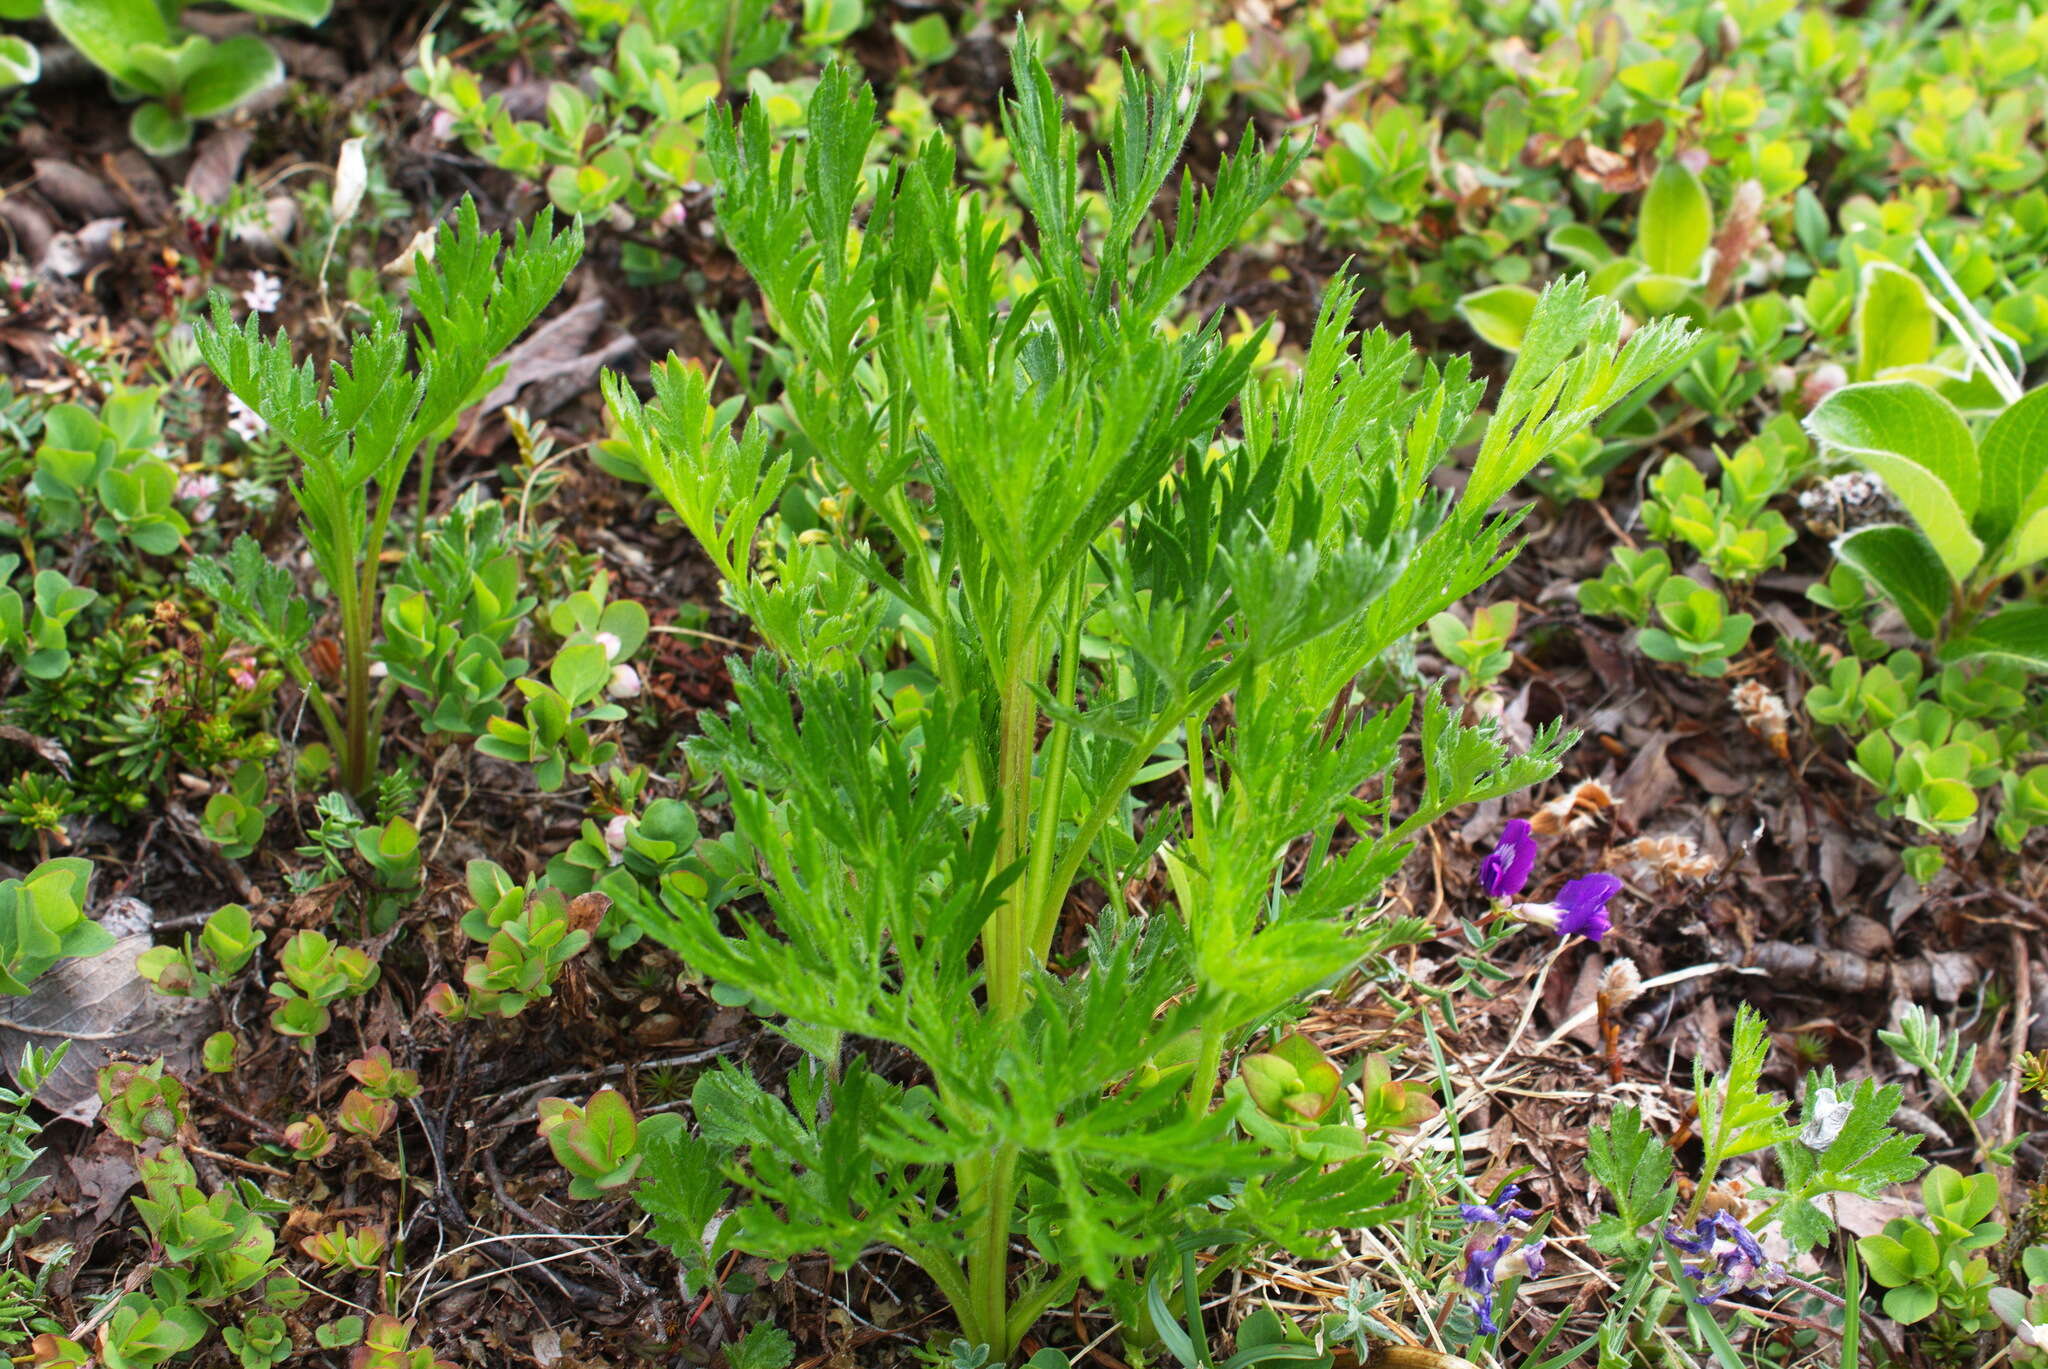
<point>1505,871</point>
<point>1736,1260</point>
<point>1481,1257</point>
<point>1499,1210</point>
<point>1488,1257</point>
<point>1580,909</point>
<point>1526,1263</point>
<point>1584,905</point>
<point>1487,1262</point>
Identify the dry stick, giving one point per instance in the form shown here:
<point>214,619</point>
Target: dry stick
<point>1528,1012</point>
<point>135,1279</point>
<point>625,1278</point>
<point>238,1162</point>
<point>1877,1327</point>
<point>2022,1022</point>
<point>615,1070</point>
<point>1662,981</point>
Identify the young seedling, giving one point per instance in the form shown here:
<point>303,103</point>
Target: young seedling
<point>357,438</point>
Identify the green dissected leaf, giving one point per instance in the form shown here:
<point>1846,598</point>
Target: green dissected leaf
<point>2013,459</point>
<point>1569,370</point>
<point>1917,443</point>
<point>2018,634</point>
<point>259,599</point>
<point>1500,314</point>
<point>765,1346</point>
<point>683,1188</point>
<point>1736,1116</point>
<point>236,70</point>
<point>474,302</point>
<point>1895,321</point>
<point>1846,1144</point>
<point>1676,224</point>
<point>108,32</point>
<point>1906,569</point>
<point>1635,1167</point>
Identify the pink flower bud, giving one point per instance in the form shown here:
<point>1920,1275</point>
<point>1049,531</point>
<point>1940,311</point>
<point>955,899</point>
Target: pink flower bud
<point>1821,382</point>
<point>625,683</point>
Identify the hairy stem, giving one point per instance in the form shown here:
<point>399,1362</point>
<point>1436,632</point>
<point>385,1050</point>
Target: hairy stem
<point>988,1260</point>
<point>1037,892</point>
<point>1003,946</point>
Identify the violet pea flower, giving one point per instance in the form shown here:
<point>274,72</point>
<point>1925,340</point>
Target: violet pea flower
<point>1487,1262</point>
<point>1579,910</point>
<point>1501,1209</point>
<point>1505,871</point>
<point>1481,1260</point>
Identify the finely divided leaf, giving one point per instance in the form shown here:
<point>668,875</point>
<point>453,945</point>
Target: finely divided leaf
<point>682,1188</point>
<point>1736,1116</point>
<point>257,597</point>
<point>1634,1166</point>
<point>1837,1151</point>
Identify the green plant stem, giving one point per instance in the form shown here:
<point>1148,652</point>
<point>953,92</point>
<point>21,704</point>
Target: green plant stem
<point>1112,795</point>
<point>1053,785</point>
<point>1208,1063</point>
<point>425,495</point>
<point>355,680</point>
<point>1003,948</point>
<point>337,736</point>
<point>359,620</point>
<point>942,1269</point>
<point>1708,1168</point>
<point>988,1260</point>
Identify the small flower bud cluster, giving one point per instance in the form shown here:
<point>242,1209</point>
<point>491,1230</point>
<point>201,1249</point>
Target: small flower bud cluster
<point>1671,857</point>
<point>1764,714</point>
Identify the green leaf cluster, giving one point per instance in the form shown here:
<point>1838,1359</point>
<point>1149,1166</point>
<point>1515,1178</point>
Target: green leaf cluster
<point>1979,511</point>
<point>179,76</point>
<point>42,921</point>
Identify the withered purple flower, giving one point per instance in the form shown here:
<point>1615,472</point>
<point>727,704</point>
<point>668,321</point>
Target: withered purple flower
<point>1500,1210</point>
<point>1733,1258</point>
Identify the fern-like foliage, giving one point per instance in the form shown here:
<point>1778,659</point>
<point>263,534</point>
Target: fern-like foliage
<point>1059,534</point>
